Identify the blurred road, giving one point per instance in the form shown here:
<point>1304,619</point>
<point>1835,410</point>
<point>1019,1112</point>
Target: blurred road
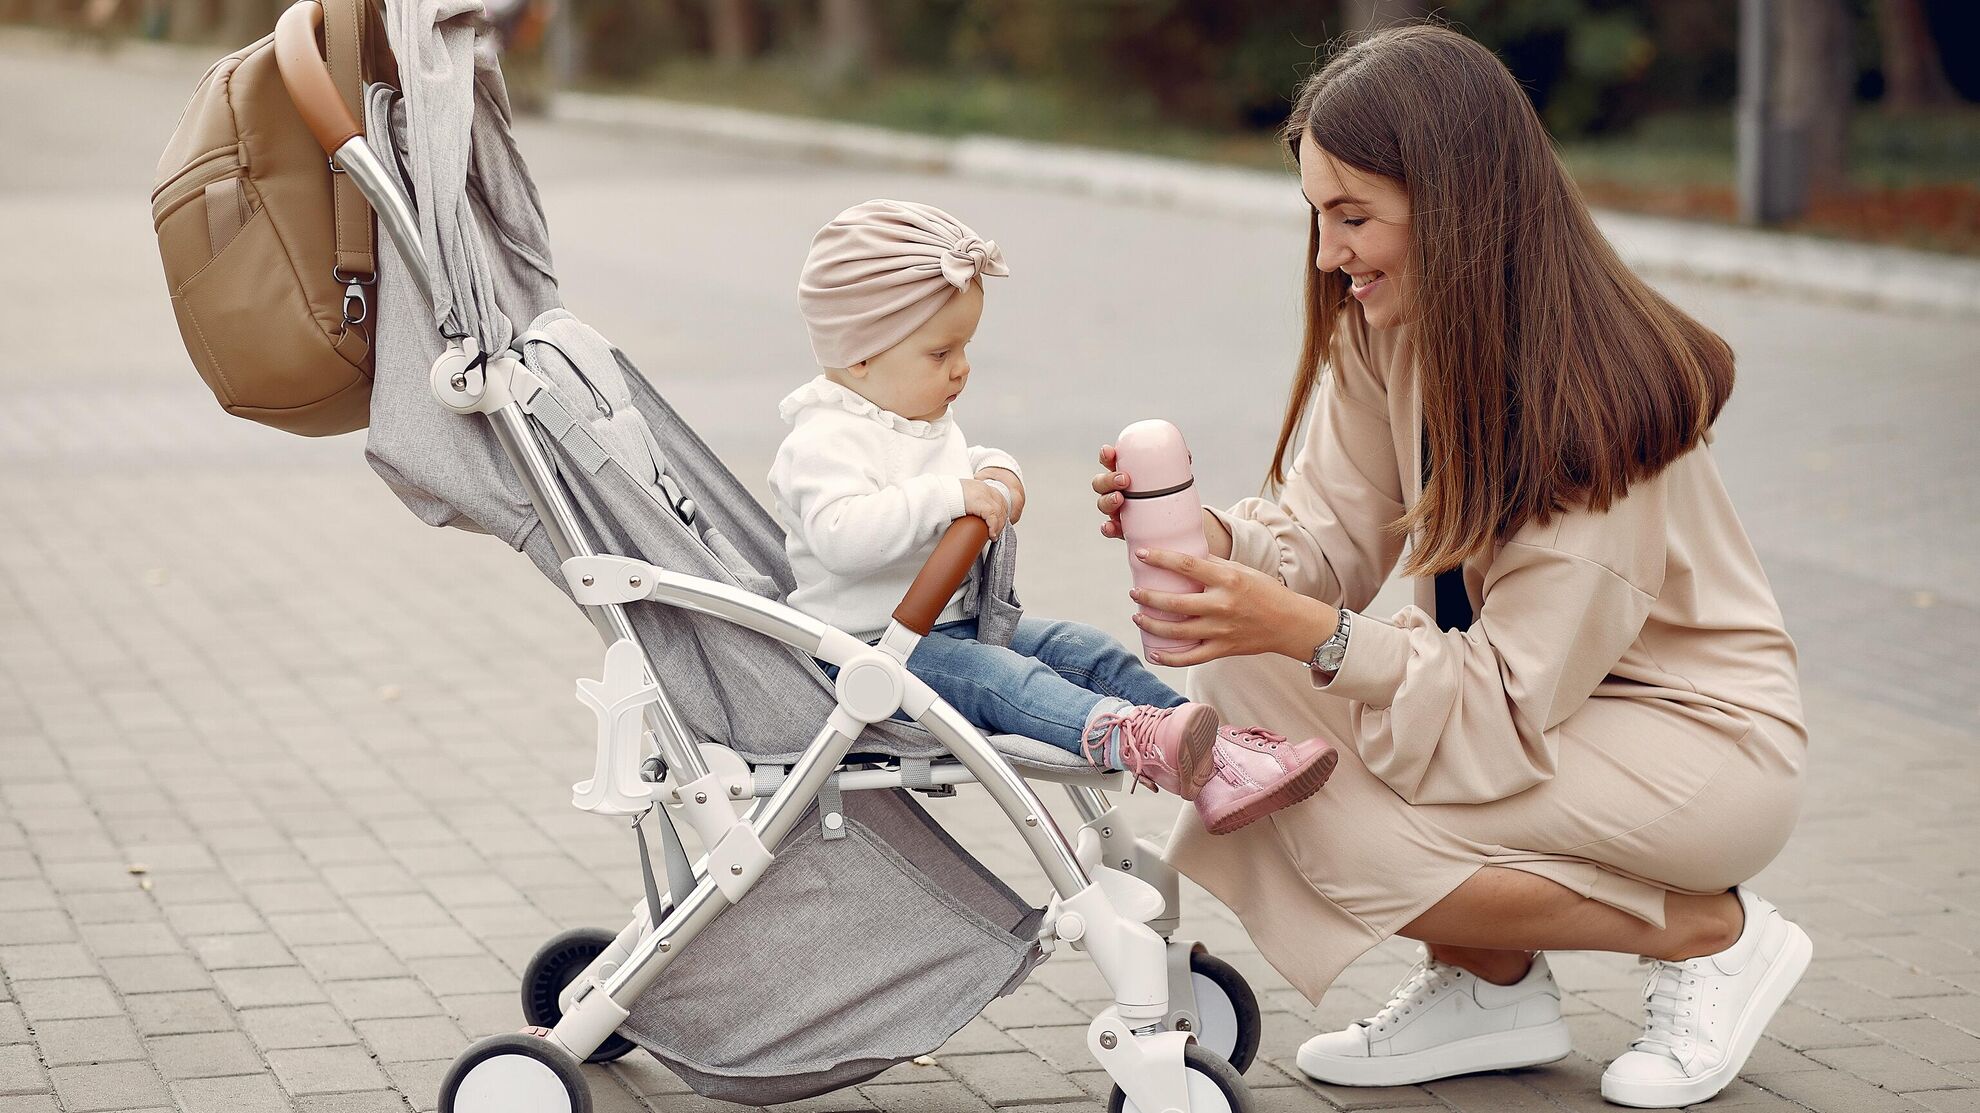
<point>338,741</point>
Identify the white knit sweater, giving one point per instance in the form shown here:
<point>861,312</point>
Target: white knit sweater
<point>863,495</point>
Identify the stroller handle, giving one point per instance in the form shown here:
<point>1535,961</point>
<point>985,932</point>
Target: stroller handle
<point>944,572</point>
<point>308,79</point>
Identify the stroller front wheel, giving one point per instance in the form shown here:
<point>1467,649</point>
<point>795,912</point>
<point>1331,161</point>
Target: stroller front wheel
<point>1214,1086</point>
<point>1229,1020</point>
<point>514,1073</point>
<point>552,968</point>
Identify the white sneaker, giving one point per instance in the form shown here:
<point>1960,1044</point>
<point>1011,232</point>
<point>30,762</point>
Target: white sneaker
<point>1444,1021</point>
<point>1705,1014</point>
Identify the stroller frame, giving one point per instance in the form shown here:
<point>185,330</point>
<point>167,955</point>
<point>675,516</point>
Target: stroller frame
<point>1114,896</point>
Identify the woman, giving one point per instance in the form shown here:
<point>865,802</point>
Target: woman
<point>1613,744</point>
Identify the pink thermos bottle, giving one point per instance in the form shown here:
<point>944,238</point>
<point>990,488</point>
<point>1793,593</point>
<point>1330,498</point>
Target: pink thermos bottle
<point>1161,511</point>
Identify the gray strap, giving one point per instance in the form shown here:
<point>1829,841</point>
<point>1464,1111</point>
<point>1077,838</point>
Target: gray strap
<point>653,912</point>
<point>831,810</point>
<point>768,778</point>
<point>680,872</point>
<point>917,772</point>
<point>577,440</point>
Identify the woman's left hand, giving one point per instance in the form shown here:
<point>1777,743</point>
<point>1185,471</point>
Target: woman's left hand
<point>1240,611</point>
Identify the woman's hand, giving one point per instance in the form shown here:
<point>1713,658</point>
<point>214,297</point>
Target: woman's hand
<point>1240,611</point>
<point>1110,483</point>
<point>1009,479</point>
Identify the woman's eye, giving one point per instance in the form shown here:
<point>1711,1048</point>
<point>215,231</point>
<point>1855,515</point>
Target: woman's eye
<point>1354,221</point>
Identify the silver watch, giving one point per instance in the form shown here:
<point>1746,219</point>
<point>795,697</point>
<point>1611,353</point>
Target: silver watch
<point>1328,655</point>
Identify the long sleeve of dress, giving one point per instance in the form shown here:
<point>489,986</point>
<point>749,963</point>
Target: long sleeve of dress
<point>1464,716</point>
<point>1327,535</point>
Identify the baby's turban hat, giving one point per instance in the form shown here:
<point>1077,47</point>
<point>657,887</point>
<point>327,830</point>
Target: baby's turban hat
<point>880,270</point>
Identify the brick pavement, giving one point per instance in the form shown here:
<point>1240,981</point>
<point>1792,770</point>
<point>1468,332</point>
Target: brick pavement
<point>283,772</point>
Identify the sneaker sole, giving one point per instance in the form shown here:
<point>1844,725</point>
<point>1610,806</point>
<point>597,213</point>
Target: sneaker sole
<point>1767,999</point>
<point>1521,1047</point>
<point>1290,791</point>
<point>1198,744</point>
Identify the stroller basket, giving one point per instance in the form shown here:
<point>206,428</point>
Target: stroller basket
<point>851,954</point>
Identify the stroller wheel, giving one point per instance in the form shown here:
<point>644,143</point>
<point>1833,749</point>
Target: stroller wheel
<point>1228,1020</point>
<point>553,967</point>
<point>514,1073</point>
<point>1214,1086</point>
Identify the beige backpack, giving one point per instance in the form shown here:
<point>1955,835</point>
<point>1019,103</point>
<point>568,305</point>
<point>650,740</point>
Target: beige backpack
<point>269,254</point>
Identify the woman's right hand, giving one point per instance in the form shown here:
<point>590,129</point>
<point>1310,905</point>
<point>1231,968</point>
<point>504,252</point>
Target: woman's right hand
<point>1110,483</point>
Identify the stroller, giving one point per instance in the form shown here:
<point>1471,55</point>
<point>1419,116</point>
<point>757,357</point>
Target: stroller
<point>831,929</point>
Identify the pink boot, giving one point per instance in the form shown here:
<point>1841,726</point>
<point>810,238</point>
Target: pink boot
<point>1166,748</point>
<point>1259,772</point>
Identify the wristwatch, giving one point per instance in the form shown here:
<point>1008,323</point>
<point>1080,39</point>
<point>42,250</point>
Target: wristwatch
<point>1328,655</point>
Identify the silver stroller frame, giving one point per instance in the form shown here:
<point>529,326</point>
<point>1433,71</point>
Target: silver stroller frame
<point>1114,896</point>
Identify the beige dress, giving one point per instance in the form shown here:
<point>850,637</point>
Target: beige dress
<point>1623,717</point>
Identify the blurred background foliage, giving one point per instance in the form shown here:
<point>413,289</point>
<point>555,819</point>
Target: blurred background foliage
<point>1639,93</point>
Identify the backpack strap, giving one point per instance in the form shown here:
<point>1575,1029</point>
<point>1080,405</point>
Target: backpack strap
<point>345,23</point>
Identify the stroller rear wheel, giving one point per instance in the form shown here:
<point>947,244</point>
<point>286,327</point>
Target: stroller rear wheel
<point>514,1073</point>
<point>1214,1086</point>
<point>552,968</point>
<point>1228,1020</point>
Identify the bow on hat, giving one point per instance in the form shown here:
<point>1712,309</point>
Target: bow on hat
<point>964,261</point>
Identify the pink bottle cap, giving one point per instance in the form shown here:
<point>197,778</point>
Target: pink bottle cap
<point>1154,456</point>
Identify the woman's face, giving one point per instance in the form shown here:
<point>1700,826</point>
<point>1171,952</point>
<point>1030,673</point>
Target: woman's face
<point>1364,231</point>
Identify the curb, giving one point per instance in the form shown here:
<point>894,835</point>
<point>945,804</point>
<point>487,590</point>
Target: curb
<point>1863,274</point>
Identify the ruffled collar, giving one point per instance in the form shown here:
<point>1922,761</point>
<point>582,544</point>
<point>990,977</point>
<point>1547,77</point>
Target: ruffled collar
<point>822,391</point>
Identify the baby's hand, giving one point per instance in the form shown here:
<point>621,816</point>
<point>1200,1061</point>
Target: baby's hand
<point>983,500</point>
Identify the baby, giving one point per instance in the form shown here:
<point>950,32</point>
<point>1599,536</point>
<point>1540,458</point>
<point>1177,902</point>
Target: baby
<point>874,470</point>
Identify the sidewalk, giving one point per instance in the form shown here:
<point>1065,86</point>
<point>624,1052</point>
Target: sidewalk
<point>1864,274</point>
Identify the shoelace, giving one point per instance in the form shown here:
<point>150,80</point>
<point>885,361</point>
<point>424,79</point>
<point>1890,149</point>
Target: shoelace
<point>1270,739</point>
<point>1668,998</point>
<point>1425,980</point>
<point>1136,730</point>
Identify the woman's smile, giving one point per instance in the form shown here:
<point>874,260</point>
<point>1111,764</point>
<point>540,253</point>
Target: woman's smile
<point>1365,284</point>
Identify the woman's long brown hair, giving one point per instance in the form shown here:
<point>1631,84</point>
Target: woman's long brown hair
<point>1551,375</point>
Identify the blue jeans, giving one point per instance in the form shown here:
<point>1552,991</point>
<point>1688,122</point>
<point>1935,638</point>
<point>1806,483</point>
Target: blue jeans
<point>1044,685</point>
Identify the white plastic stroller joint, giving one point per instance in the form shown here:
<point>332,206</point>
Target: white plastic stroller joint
<point>831,929</point>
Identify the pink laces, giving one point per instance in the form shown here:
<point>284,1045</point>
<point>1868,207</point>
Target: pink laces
<point>1136,728</point>
<point>1269,739</point>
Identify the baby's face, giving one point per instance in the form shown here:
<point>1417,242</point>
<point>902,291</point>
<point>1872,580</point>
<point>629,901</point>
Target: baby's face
<point>918,377</point>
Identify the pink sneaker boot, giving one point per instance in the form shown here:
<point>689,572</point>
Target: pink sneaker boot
<point>1259,772</point>
<point>1166,748</point>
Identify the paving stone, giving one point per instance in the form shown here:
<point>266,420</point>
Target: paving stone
<point>255,1093</point>
<point>318,1070</point>
<point>924,1097</point>
<point>46,960</point>
<point>239,952</point>
<point>1011,1077</point>
<point>167,1014</point>
<point>378,998</point>
<point>66,999</point>
<point>203,1055</point>
<point>106,1039</point>
<point>279,985</point>
<point>40,926</point>
<point>124,940</point>
<point>156,974</point>
<point>1831,1091</point>
<point>20,1070</point>
<point>410,1039</point>
<point>220,918</point>
<point>100,1086</point>
<point>1932,1040</point>
<point>13,1026</point>
<point>293,1026</point>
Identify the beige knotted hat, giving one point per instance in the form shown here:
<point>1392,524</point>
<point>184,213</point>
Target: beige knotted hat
<point>880,270</point>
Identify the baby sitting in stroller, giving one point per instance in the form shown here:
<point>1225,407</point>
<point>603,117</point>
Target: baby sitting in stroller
<point>874,470</point>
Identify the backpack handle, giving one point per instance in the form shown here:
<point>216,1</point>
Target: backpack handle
<point>318,99</point>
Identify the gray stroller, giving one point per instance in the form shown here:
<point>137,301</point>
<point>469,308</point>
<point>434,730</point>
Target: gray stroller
<point>830,929</point>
